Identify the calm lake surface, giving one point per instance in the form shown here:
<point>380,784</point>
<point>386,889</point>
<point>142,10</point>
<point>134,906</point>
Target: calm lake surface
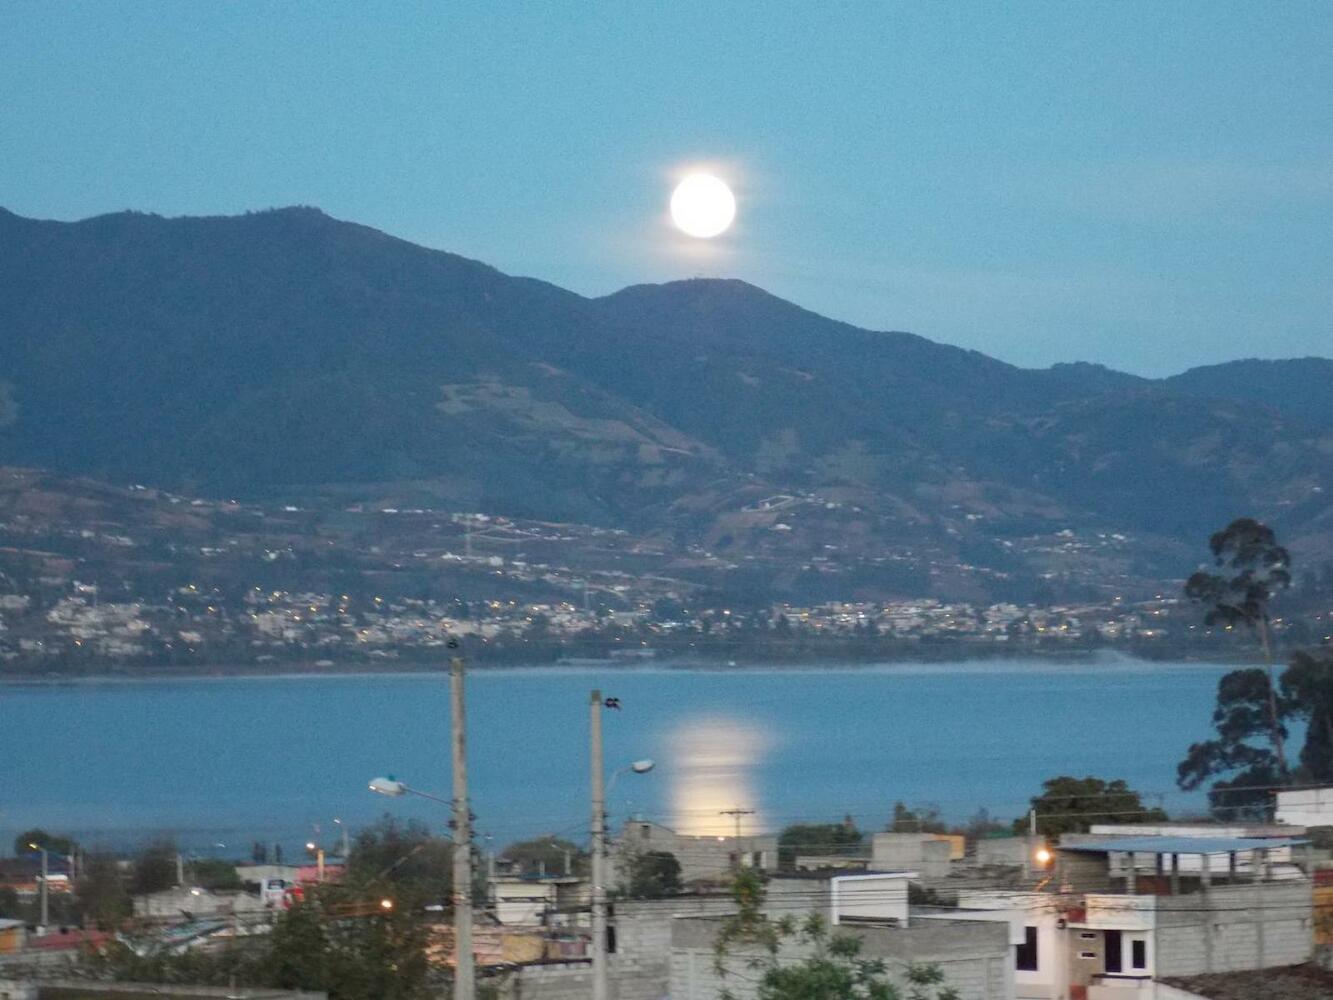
<point>229,761</point>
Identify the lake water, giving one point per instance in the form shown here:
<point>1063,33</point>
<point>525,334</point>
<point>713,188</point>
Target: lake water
<point>229,761</point>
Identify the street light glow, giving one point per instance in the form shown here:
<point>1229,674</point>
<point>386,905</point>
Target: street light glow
<point>388,786</point>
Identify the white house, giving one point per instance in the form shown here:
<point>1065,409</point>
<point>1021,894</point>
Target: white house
<point>1306,807</point>
<point>1118,912</point>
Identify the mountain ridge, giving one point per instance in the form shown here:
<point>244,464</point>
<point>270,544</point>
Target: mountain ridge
<point>285,351</point>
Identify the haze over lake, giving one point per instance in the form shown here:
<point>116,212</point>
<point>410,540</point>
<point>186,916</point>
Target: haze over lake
<point>232,760</point>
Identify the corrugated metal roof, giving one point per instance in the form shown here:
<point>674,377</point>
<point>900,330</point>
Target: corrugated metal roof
<point>1181,845</point>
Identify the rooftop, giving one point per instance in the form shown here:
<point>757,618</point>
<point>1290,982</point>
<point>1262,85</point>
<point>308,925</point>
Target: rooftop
<point>1181,845</point>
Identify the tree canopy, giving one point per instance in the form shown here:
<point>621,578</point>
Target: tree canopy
<point>155,868</point>
<point>1255,569</point>
<point>404,857</point>
<point>1072,805</point>
<point>52,842</point>
<point>1247,758</point>
<point>817,838</point>
<point>922,819</point>
<point>653,874</point>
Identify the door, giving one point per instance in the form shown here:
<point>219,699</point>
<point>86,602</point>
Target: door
<point>1113,949</point>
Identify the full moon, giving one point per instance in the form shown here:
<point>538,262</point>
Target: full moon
<point>702,206</point>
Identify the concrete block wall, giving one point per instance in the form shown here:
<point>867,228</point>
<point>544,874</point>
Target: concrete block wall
<point>975,958</point>
<point>639,969</point>
<point>1082,872</point>
<point>1003,851</point>
<point>795,897</point>
<point>1234,928</point>
<point>701,858</point>
<point>922,853</point>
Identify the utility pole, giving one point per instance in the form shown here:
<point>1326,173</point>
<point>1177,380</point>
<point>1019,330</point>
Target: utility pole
<point>464,972</point>
<point>347,847</point>
<point>46,888</point>
<point>737,813</point>
<point>599,982</point>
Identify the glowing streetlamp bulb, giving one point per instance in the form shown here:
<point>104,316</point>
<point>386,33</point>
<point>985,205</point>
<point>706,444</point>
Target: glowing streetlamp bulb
<point>388,786</point>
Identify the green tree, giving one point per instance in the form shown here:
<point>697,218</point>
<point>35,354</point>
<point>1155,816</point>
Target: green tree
<point>1255,568</point>
<point>155,868</point>
<point>298,950</point>
<point>1307,693</point>
<point>1243,748</point>
<point>101,893</point>
<point>9,903</point>
<point>922,819</point>
<point>381,956</point>
<point>404,858</point>
<point>1072,805</point>
<point>817,838</point>
<point>214,874</point>
<point>340,940</point>
<point>983,824</point>
<point>653,874</point>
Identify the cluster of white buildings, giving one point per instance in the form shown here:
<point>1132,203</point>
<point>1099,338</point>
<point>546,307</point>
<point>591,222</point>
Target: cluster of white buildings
<point>1106,915</point>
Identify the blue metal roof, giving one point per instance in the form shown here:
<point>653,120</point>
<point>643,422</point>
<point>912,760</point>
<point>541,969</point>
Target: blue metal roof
<point>1181,845</point>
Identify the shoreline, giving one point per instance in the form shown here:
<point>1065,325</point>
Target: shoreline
<point>962,665</point>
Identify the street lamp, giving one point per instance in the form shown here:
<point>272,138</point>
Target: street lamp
<point>318,851</point>
<point>463,971</point>
<point>46,872</point>
<point>396,789</point>
<point>342,829</point>
<point>599,794</point>
<point>638,767</point>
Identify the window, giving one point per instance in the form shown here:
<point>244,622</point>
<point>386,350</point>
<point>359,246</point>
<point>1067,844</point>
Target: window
<point>1087,954</point>
<point>1025,954</point>
<point>1087,935</point>
<point>1138,956</point>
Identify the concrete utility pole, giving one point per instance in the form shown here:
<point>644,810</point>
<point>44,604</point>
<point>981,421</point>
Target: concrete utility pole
<point>464,972</point>
<point>737,813</point>
<point>599,983</point>
<point>346,845</point>
<point>46,879</point>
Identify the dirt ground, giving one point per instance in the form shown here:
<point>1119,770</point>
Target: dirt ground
<point>1295,982</point>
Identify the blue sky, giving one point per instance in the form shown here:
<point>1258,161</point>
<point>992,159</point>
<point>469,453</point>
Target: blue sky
<point>1145,185</point>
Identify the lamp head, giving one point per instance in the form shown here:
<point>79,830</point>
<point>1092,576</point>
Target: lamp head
<point>388,786</point>
<point>642,766</point>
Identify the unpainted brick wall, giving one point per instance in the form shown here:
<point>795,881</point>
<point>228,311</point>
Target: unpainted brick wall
<point>1233,928</point>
